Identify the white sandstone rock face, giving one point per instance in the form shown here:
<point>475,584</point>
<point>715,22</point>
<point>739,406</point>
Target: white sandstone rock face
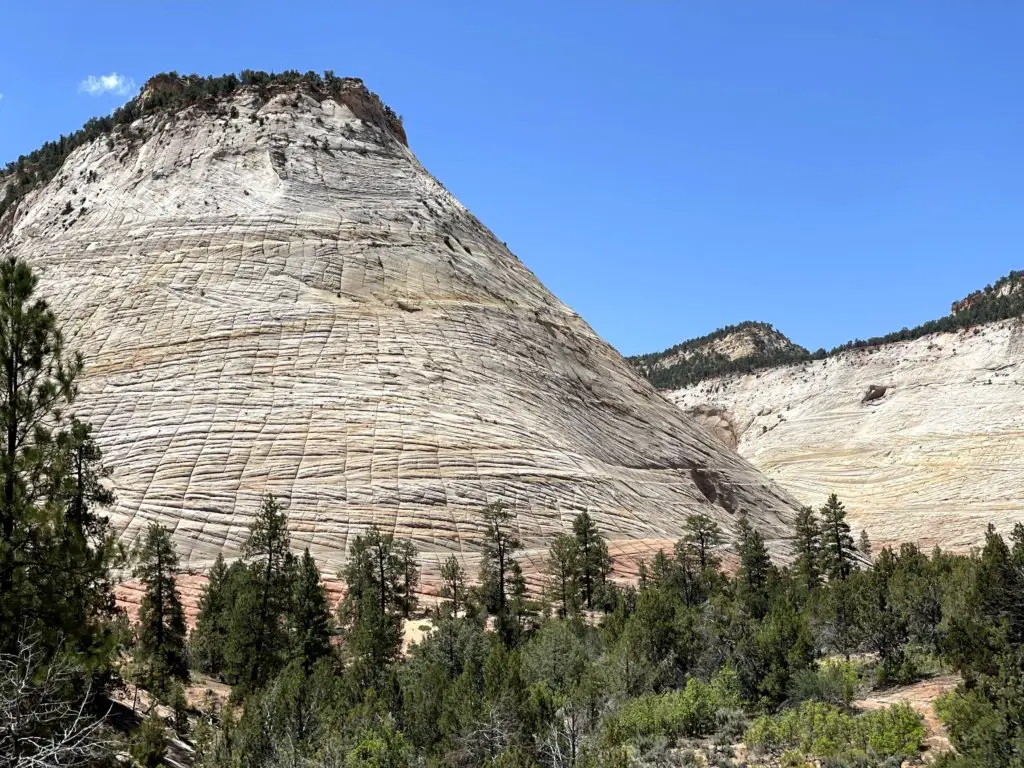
<point>934,460</point>
<point>288,302</point>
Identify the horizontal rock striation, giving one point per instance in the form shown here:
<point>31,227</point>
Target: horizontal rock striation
<point>274,296</point>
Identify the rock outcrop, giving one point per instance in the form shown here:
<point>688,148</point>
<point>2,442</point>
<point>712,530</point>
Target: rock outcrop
<point>923,439</point>
<point>732,349</point>
<point>273,295</point>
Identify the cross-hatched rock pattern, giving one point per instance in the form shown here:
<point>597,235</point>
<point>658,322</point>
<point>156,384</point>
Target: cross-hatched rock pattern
<point>933,459</point>
<point>285,301</point>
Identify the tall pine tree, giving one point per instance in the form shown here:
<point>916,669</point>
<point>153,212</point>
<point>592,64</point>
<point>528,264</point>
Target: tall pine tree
<point>807,535</point>
<point>594,562</point>
<point>210,636</point>
<point>310,617</point>
<point>502,587</point>
<point>257,638</point>
<point>55,548</point>
<point>161,629</point>
<point>407,556</point>
<point>562,571</point>
<point>453,586</point>
<point>756,570</point>
<point>838,554</point>
<point>501,577</point>
<point>371,613</point>
<point>704,536</point>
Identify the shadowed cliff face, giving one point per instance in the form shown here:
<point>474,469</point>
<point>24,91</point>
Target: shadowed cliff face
<point>923,440</point>
<point>274,296</point>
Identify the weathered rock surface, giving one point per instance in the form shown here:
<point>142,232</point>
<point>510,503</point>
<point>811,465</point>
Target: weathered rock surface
<point>286,301</point>
<point>932,458</point>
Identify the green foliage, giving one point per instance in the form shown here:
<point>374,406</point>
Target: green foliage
<point>55,548</point>
<point>257,640</point>
<point>379,746</point>
<point>149,743</point>
<point>832,681</point>
<point>703,537</point>
<point>594,563</point>
<point>502,588</point>
<point>375,602</point>
<point>210,636</point>
<point>309,616</point>
<point>838,555</point>
<point>983,719</point>
<point>756,571</point>
<point>556,657</point>
<point>688,712</point>
<point>822,730</point>
<point>562,569</point>
<point>807,535</point>
<point>453,586</point>
<point>770,651</point>
<point>692,362</point>
<point>657,646</point>
<point>161,629</point>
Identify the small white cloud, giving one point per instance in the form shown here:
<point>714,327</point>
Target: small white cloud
<point>112,83</point>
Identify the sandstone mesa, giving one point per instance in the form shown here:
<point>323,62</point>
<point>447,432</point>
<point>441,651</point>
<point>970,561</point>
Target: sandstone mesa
<point>933,457</point>
<point>273,295</point>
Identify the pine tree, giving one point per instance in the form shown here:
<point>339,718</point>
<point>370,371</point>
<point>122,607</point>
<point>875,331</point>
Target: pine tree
<point>755,570</point>
<point>562,570</point>
<point>256,637</point>
<point>207,641</point>
<point>407,555</point>
<point>865,543</point>
<point>643,575</point>
<point>453,585</point>
<point>704,536</point>
<point>807,533</point>
<point>884,628</point>
<point>838,611</point>
<point>371,613</point>
<point>1000,585</point>
<point>690,582</point>
<point>501,577</point>
<point>662,570</point>
<point>594,562</point>
<point>161,629</point>
<point>55,549</point>
<point>86,540</point>
<point>837,550</point>
<point>149,742</point>
<point>310,617</point>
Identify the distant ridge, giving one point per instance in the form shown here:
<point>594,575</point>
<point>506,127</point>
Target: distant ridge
<point>761,346</point>
<point>739,348</point>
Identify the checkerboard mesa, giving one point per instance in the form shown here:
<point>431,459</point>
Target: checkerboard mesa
<point>273,295</point>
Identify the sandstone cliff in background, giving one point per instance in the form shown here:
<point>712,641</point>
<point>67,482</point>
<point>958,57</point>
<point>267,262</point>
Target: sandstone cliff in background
<point>923,438</point>
<point>273,295</point>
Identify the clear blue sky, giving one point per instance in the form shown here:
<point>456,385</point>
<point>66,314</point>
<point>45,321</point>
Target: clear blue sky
<point>840,168</point>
